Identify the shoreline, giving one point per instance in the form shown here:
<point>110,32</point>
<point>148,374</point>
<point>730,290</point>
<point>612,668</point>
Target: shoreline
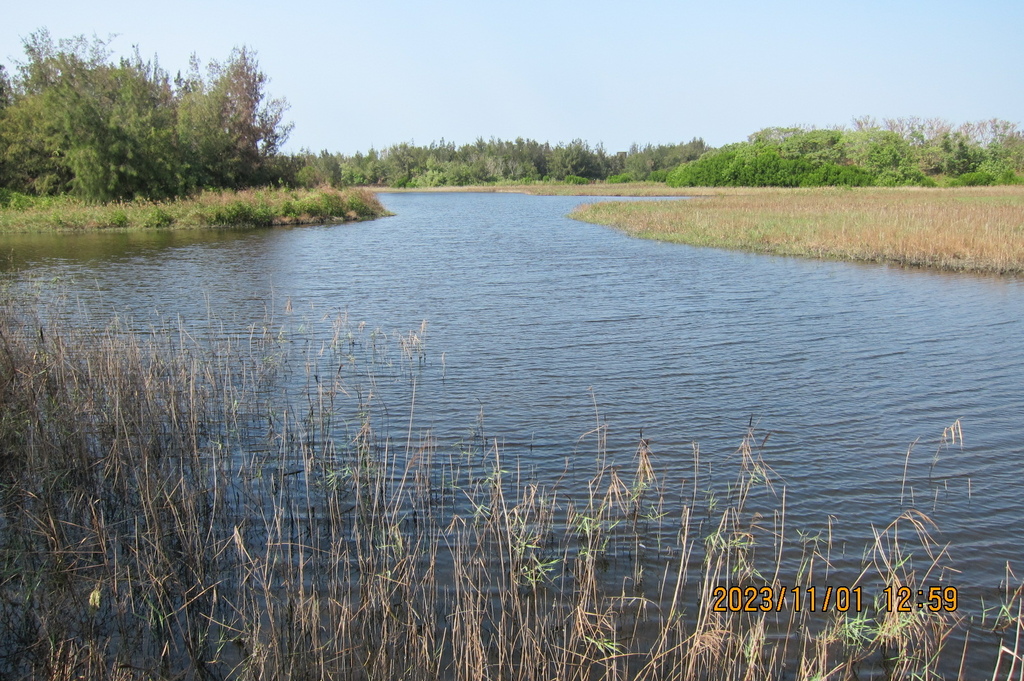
<point>978,229</point>
<point>208,210</point>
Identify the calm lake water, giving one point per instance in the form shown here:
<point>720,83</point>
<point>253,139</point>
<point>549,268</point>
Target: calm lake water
<point>536,322</point>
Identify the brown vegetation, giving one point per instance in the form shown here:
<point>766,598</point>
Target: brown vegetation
<point>967,229</point>
<point>167,512</point>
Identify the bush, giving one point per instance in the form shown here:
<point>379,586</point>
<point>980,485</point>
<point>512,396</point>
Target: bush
<point>832,175</point>
<point>119,218</point>
<point>978,179</point>
<point>620,179</point>
<point>321,205</point>
<point>357,205</point>
<point>658,176</point>
<point>157,217</point>
<point>1009,177</point>
<point>576,179</point>
<point>243,213</point>
<point>17,201</point>
<point>746,166</point>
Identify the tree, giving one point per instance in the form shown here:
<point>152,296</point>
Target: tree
<point>228,128</point>
<point>118,124</point>
<point>575,158</point>
<point>886,154</point>
<point>79,122</point>
<point>6,91</point>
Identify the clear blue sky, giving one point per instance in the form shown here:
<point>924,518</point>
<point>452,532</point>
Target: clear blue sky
<point>362,74</point>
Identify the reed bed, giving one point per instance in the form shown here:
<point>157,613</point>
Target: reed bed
<point>211,208</point>
<point>964,229</point>
<point>178,503</point>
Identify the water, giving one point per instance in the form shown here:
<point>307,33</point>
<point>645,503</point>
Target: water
<point>542,327</point>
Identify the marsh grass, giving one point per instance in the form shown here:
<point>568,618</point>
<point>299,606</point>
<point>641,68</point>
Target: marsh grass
<point>254,207</point>
<point>173,506</point>
<point>965,229</point>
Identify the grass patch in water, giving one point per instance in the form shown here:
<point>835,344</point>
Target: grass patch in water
<point>978,229</point>
<point>254,207</point>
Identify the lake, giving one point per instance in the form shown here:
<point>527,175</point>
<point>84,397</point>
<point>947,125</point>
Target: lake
<point>540,328</point>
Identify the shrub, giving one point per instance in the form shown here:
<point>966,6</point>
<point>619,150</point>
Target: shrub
<point>18,201</point>
<point>620,179</point>
<point>658,176</point>
<point>746,166</point>
<point>240,212</point>
<point>357,204</point>
<point>576,179</point>
<point>832,175</point>
<point>157,217</point>
<point>978,179</point>
<point>119,218</point>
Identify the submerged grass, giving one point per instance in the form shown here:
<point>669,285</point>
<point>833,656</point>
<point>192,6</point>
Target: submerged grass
<point>257,207</point>
<point>170,508</point>
<point>978,229</point>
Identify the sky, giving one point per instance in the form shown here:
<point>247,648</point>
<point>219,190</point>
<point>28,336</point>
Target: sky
<point>374,73</point>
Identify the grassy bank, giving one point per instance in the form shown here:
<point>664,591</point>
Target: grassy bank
<point>965,229</point>
<point>171,508</point>
<point>262,207</point>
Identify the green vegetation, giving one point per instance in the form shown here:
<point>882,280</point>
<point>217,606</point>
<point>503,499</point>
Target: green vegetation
<point>72,120</point>
<point>897,152</point>
<point>262,207</point>
<point>900,152</point>
<point>495,161</point>
<point>173,508</point>
<point>978,229</point>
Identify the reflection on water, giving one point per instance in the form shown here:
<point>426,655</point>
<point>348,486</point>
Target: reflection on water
<point>541,328</point>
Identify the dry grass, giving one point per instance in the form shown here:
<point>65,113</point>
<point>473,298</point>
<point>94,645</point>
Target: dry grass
<point>175,508</point>
<point>968,229</point>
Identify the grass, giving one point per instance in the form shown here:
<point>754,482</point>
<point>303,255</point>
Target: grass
<point>173,506</point>
<point>978,229</point>
<point>262,207</point>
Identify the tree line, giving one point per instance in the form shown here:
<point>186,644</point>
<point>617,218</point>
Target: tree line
<point>895,152</point>
<point>75,120</point>
<point>487,161</point>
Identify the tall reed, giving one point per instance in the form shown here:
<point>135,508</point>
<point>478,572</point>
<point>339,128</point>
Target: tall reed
<point>179,504</point>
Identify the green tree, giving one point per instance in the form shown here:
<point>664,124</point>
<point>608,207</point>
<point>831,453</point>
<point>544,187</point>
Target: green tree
<point>34,132</point>
<point>228,128</point>
<point>31,155</point>
<point>6,90</point>
<point>959,155</point>
<point>885,153</point>
<point>118,124</point>
<point>575,158</point>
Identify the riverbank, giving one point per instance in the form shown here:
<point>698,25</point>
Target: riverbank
<point>259,207</point>
<point>977,229</point>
